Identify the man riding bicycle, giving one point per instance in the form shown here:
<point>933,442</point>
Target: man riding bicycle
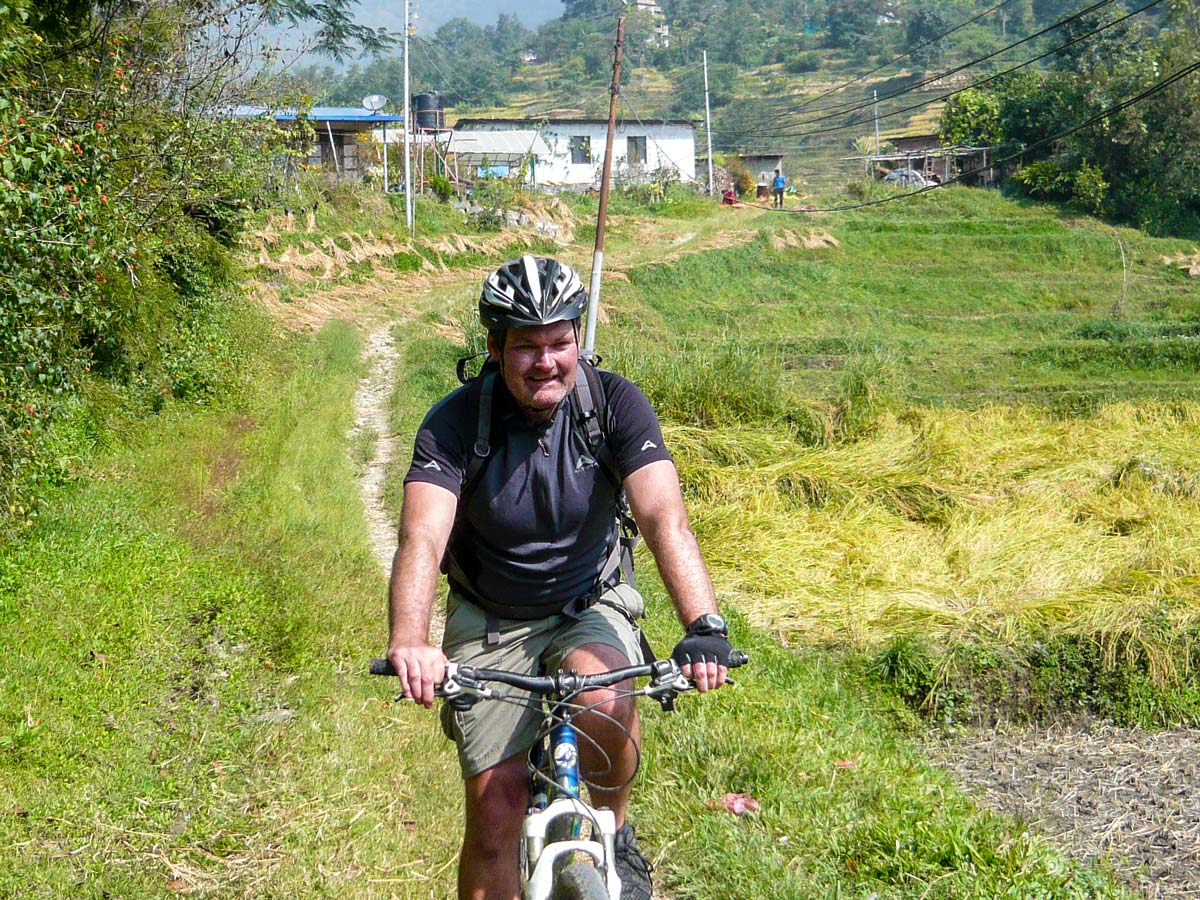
<point>514,493</point>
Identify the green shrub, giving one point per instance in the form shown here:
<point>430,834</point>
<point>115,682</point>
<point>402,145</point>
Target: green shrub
<point>743,181</point>
<point>1045,179</point>
<point>441,187</point>
<point>1089,189</point>
<point>803,62</point>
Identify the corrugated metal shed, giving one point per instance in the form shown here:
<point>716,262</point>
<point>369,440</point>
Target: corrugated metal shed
<point>475,148</point>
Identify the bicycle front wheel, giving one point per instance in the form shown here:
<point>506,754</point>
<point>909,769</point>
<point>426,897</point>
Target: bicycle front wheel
<point>579,881</point>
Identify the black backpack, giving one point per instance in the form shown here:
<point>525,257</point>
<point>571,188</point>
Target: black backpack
<point>589,414</point>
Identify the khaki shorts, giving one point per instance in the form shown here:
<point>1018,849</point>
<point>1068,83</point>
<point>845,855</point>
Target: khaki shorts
<point>491,731</point>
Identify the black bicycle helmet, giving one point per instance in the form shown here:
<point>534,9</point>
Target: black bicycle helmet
<point>532,290</point>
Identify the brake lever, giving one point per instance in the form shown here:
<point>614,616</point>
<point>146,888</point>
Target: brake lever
<point>458,689</point>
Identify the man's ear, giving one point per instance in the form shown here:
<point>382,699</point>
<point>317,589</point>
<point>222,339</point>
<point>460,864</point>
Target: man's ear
<point>492,347</point>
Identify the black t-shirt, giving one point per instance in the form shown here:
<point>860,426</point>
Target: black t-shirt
<point>537,527</point>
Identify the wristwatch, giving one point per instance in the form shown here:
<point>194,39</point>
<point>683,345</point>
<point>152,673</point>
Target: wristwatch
<point>709,623</point>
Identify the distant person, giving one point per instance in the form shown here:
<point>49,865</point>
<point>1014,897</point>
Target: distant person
<point>778,183</point>
<point>728,198</point>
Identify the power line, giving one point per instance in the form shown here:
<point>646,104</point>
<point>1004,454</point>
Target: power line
<point>894,60</point>
<point>975,84</point>
<point>1091,120</point>
<point>855,106</point>
<point>662,153</point>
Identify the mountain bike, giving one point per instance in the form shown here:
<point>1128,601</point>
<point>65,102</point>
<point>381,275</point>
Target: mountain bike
<point>567,846</point>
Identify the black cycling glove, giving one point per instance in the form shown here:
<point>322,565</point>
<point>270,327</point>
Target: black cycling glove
<point>696,648</point>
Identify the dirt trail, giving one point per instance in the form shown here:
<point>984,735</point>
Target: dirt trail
<point>371,417</point>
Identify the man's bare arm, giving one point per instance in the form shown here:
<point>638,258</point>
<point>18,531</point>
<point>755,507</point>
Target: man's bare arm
<point>425,524</point>
<point>657,505</point>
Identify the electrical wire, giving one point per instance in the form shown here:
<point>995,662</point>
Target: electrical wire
<point>894,60</point>
<point>1091,120</point>
<point>974,84</point>
<point>661,152</point>
<point>853,106</point>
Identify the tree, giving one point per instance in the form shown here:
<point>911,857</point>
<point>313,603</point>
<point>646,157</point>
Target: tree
<point>123,182</point>
<point>923,39</point>
<point>850,23</point>
<point>971,118</point>
<point>689,95</point>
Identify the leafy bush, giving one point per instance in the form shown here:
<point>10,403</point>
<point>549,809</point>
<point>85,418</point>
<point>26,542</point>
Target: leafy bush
<point>1045,179</point>
<point>971,118</point>
<point>117,212</point>
<point>743,181</point>
<point>1089,189</point>
<point>442,188</point>
<point>803,62</point>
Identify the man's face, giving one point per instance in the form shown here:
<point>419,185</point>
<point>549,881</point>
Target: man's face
<point>539,363</point>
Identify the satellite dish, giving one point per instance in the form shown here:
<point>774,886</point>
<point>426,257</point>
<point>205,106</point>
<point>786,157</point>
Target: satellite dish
<point>374,102</point>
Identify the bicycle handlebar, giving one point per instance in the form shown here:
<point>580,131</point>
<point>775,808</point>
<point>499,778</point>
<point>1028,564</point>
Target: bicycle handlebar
<point>562,682</point>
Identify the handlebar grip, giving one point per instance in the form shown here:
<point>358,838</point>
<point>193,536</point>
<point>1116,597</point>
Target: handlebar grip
<point>738,658</point>
<point>382,667</point>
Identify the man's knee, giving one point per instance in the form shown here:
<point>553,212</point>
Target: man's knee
<point>496,800</point>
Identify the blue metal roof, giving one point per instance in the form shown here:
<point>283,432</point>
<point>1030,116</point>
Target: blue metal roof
<point>317,114</point>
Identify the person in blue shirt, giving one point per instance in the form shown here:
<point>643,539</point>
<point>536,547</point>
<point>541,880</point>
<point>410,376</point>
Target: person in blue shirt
<point>777,186</point>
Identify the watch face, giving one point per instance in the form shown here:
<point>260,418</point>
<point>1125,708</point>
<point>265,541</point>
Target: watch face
<point>709,623</point>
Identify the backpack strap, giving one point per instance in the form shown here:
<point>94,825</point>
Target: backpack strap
<point>591,409</point>
<point>482,449</point>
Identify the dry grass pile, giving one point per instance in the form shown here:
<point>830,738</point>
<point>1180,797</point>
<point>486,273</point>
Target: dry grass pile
<point>950,525</point>
<point>815,239</point>
<point>1186,263</point>
<point>554,212</point>
<point>335,256</point>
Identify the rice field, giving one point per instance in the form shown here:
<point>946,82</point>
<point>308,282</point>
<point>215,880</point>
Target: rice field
<point>964,428</point>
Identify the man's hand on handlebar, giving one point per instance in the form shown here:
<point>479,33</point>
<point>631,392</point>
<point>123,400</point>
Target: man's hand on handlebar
<point>420,667</point>
<point>705,660</point>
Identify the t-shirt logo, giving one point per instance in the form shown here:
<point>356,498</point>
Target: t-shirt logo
<point>649,445</point>
<point>432,464</point>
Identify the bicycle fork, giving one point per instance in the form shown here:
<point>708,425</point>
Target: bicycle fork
<point>553,827</point>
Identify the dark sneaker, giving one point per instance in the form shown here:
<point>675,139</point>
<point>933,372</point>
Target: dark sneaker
<point>633,868</point>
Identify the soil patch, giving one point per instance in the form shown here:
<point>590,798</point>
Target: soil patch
<point>1128,796</point>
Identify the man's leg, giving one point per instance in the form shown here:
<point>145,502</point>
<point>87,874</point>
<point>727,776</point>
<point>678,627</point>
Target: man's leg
<point>496,800</point>
<point>608,747</point>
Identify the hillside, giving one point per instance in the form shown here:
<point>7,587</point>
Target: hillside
<point>825,84</point>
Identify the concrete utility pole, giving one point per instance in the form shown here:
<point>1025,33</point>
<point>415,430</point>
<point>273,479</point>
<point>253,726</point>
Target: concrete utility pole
<point>593,309</point>
<point>408,199</point>
<point>875,94</point>
<point>708,126</point>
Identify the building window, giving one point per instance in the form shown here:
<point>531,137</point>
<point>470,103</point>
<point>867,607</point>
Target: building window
<point>635,151</point>
<point>581,150</point>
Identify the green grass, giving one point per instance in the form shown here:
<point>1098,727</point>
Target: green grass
<point>184,635</point>
<point>848,807</point>
<point>969,297</point>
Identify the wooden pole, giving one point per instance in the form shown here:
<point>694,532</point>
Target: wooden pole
<point>593,308</point>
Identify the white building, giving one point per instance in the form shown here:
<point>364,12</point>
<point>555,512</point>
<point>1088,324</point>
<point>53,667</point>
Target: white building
<point>576,149</point>
<point>660,31</point>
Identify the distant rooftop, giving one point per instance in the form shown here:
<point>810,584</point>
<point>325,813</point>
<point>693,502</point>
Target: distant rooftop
<point>316,114</point>
<point>557,120</point>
